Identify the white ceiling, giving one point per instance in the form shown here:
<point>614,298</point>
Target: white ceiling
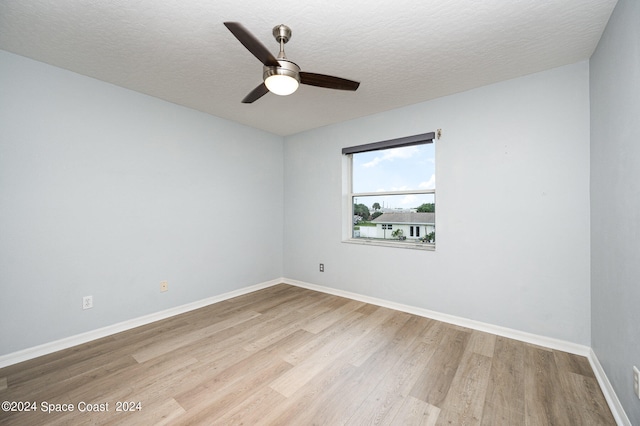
<point>403,52</point>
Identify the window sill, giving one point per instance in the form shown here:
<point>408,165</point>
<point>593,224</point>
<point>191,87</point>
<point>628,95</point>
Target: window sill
<point>404,245</point>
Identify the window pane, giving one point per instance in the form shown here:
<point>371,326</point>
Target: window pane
<point>403,218</point>
<point>395,169</point>
<point>389,203</point>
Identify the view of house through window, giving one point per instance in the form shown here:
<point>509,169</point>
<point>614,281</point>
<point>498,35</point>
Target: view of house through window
<point>393,194</point>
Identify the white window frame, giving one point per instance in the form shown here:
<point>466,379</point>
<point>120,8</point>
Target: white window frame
<point>349,195</point>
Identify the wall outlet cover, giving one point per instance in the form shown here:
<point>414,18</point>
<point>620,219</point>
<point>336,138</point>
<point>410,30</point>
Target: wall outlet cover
<point>87,302</point>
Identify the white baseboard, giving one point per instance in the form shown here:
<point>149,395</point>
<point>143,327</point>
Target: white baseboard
<point>612,400</point>
<point>47,348</point>
<point>609,394</point>
<point>608,391</point>
<point>67,342</point>
<point>522,336</point>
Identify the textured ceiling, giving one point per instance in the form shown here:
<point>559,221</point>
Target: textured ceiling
<point>403,52</point>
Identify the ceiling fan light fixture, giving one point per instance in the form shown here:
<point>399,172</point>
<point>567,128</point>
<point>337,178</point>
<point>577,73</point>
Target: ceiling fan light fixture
<point>282,85</point>
<point>279,75</point>
<point>282,80</point>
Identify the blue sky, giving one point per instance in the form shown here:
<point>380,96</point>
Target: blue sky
<point>396,169</point>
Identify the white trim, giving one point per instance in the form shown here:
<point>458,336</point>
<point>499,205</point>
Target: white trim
<point>67,342</point>
<point>548,342</point>
<point>403,192</point>
<point>347,201</point>
<point>389,243</point>
<point>615,406</point>
<point>609,393</point>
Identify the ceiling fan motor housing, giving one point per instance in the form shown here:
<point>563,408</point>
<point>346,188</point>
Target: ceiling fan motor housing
<point>280,75</point>
<point>282,33</point>
<point>286,67</point>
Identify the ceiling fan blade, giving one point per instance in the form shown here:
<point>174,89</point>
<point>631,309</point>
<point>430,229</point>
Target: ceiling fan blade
<point>328,81</point>
<point>255,94</point>
<point>252,44</point>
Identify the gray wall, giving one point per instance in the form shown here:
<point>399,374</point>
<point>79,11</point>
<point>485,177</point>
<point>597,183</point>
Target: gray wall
<point>615,201</point>
<point>107,192</point>
<point>512,204</point>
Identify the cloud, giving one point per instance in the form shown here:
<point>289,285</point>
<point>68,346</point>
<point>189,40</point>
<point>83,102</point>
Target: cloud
<point>408,199</point>
<point>430,184</point>
<point>391,154</point>
<point>373,162</point>
<point>394,188</point>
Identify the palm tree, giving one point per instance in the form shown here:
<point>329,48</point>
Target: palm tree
<point>397,234</point>
<point>375,206</point>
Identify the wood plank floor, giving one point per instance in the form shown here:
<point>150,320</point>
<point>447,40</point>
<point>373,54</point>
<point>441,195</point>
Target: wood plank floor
<point>291,356</point>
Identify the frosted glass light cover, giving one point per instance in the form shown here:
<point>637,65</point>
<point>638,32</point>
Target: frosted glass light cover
<point>281,84</point>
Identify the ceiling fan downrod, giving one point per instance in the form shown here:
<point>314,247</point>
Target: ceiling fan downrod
<point>282,34</point>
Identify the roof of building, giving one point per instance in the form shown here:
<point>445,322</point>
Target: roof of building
<point>406,217</point>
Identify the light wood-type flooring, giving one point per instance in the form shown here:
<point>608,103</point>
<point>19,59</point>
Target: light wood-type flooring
<point>291,356</point>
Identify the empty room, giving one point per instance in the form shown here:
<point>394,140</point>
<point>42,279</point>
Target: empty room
<point>225,212</point>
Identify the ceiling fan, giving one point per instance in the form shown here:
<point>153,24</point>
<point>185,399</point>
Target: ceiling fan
<point>280,75</point>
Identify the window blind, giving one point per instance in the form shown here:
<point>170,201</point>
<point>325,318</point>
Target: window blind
<point>391,143</point>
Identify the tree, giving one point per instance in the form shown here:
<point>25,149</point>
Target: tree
<point>376,206</point>
<point>427,208</point>
<point>375,215</point>
<point>362,211</point>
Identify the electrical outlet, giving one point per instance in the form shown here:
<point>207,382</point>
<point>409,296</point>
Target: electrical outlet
<point>636,381</point>
<point>322,267</point>
<point>87,302</point>
<point>164,286</point>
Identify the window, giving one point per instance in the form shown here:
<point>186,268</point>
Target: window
<point>390,192</point>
